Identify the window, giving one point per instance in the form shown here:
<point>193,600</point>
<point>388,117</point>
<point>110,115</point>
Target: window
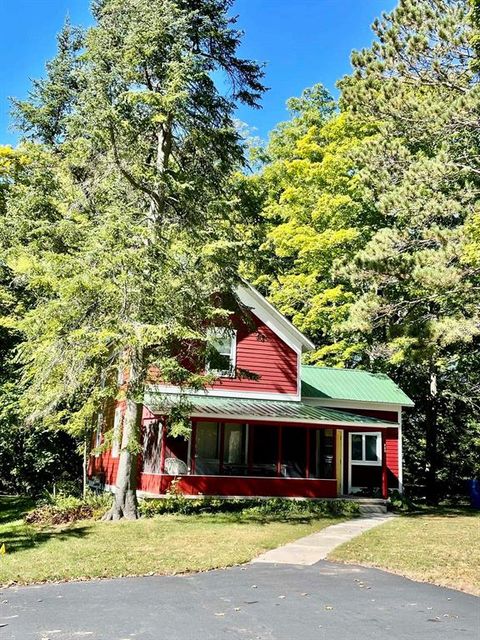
<point>365,448</point>
<point>221,352</point>
<point>98,433</point>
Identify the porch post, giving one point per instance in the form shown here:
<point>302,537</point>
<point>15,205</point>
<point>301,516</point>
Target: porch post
<point>162,452</point>
<point>279,452</point>
<point>334,454</point>
<point>384,467</point>
<point>193,448</point>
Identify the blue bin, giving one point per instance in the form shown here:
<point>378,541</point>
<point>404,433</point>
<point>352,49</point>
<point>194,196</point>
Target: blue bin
<point>474,489</point>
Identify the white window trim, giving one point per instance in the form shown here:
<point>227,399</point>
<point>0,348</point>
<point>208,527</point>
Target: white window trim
<point>233,353</point>
<point>364,462</point>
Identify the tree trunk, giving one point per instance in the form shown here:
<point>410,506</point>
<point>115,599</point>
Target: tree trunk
<point>126,504</point>
<point>85,467</point>
<point>431,453</point>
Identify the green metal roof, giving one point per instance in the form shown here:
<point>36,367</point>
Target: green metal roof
<point>211,407</point>
<point>351,384</point>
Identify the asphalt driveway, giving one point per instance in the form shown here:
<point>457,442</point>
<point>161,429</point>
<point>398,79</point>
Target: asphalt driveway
<point>325,601</point>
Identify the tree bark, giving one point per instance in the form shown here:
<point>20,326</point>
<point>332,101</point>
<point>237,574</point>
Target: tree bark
<point>126,504</point>
<point>431,437</point>
<point>85,467</point>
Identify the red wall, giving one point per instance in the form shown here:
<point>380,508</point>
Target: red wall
<point>391,440</point>
<point>104,464</point>
<point>237,486</point>
<point>261,351</point>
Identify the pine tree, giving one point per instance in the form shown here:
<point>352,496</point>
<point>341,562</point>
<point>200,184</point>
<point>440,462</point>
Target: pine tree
<point>144,245</point>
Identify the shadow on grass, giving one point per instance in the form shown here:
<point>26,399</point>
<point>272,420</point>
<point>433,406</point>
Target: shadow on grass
<point>443,511</point>
<point>23,537</point>
<point>239,518</point>
<point>14,508</point>
<point>19,536</point>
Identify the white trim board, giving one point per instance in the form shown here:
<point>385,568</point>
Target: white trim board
<point>267,313</point>
<point>224,393</point>
<point>352,404</point>
<point>249,418</point>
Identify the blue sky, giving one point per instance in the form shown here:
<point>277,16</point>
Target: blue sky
<point>302,42</point>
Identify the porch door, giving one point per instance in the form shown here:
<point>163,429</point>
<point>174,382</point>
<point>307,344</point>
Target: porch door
<point>364,461</point>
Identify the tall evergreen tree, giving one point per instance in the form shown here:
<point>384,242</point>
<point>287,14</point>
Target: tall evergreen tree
<point>144,246</point>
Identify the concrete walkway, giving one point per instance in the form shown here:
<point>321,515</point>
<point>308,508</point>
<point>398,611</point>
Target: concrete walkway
<point>317,546</point>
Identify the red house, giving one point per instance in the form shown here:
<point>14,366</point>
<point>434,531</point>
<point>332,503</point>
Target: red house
<point>293,430</point>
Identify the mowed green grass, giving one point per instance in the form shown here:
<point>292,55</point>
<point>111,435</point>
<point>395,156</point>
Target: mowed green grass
<point>442,547</point>
<point>162,545</point>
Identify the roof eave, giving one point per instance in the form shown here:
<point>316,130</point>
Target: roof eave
<point>266,419</point>
<point>278,319</point>
<point>387,403</point>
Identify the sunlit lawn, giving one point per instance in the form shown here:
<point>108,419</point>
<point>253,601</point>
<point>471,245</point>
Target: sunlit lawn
<point>165,544</point>
<point>440,546</point>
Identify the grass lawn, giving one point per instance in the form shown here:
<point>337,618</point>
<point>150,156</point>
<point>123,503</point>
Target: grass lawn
<point>165,544</point>
<point>441,546</point>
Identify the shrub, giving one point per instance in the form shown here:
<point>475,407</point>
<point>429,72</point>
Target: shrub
<point>63,508</point>
<point>277,507</point>
<point>399,502</point>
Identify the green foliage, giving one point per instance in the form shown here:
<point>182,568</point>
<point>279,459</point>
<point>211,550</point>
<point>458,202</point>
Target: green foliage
<point>121,228</point>
<point>370,235</point>
<point>400,502</point>
<point>279,507</point>
<point>61,508</point>
<point>32,458</point>
<point>316,216</point>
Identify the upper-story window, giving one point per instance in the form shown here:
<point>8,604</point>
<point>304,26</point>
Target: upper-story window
<point>221,351</point>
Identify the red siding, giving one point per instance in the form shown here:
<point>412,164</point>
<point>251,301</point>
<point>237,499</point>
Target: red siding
<point>258,351</point>
<point>391,440</point>
<point>105,465</point>
<point>238,486</point>
<point>261,351</point>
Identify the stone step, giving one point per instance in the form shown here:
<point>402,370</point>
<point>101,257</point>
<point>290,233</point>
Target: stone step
<point>370,509</point>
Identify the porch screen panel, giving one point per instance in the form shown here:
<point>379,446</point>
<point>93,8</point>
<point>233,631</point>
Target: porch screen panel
<point>235,449</point>
<point>294,455</point>
<point>207,448</point>
<point>176,455</point>
<point>264,450</point>
<point>322,463</point>
<point>152,445</point>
